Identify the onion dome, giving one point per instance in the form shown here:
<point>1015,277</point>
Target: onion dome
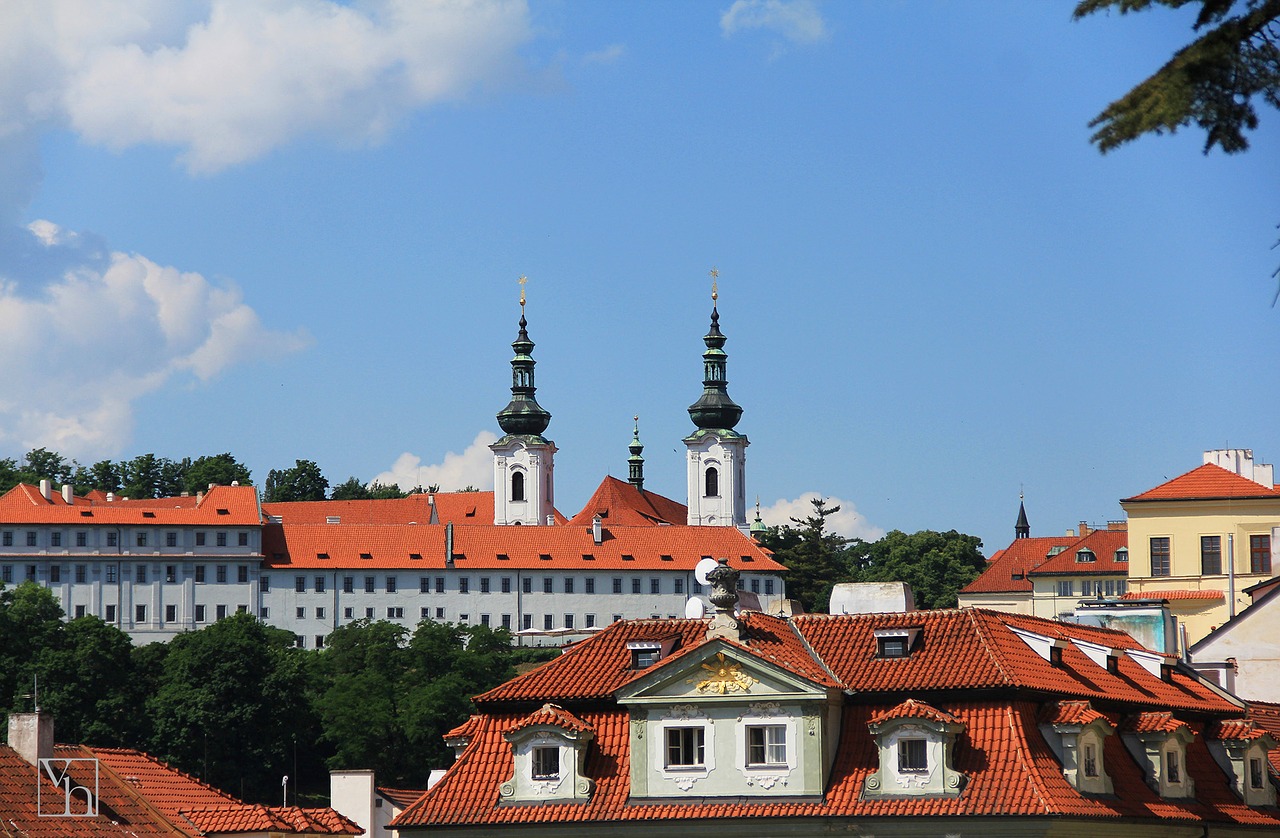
<point>523,415</point>
<point>715,410</point>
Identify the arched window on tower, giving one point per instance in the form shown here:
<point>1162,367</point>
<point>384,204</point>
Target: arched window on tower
<point>517,485</point>
<point>712,483</point>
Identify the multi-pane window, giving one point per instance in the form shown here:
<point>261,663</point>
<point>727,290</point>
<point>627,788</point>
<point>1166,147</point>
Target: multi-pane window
<point>484,584</point>
<point>439,613</point>
<point>1090,760</point>
<point>199,539</point>
<point>171,613</point>
<point>1172,767</point>
<point>395,613</point>
<point>439,584</point>
<point>264,582</point>
<point>55,539</point>
<point>140,613</point>
<point>655,585</point>
<point>369,584</point>
<point>1255,772</point>
<point>547,622</point>
<point>348,584</point>
<point>142,574</point>
<point>7,538</point>
<point>677,585</point>
<point>82,538</point>
<point>171,539</point>
<point>767,745</point>
<point>368,613</point>
<point>506,584</point>
<point>546,763</point>
<point>6,574</point>
<point>1210,555</point>
<point>300,612</point>
<point>221,572</point>
<point>171,573</point>
<point>913,755</point>
<point>526,585</point>
<point>589,584</point>
<point>464,584</point>
<point>685,747</point>
<point>568,621</point>
<point>242,573</point>
<point>319,584</point>
<point>617,585</point>
<point>31,538</point>
<point>568,584</point>
<point>591,621</point>
<point>111,573</point>
<point>319,613</point>
<point>506,621</point>
<point>391,584</point>
<point>110,615</point>
<point>548,585</point>
<point>755,586</point>
<point>1259,554</point>
<point>55,574</point>
<point>221,538</point>
<point>1066,587</point>
<point>424,586</point>
<point>768,587</point>
<point>635,584</point>
<point>82,573</point>
<point>141,538</point>
<point>300,584</point>
<point>242,539</point>
<point>79,611</point>
<point>526,621</point>
<point>199,613</point>
<point>113,539</point>
<point>1160,556</point>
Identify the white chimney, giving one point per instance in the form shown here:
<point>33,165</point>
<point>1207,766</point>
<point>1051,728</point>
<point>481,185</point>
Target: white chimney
<point>46,488</point>
<point>68,493</point>
<point>111,496</point>
<point>235,482</point>
<point>597,535</point>
<point>31,735</point>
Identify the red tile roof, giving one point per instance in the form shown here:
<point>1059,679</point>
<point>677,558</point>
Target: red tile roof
<point>450,507</point>
<point>1007,569</point>
<point>619,503</point>
<point>317,546</point>
<point>1071,713</point>
<point>401,798</point>
<point>1208,482</point>
<point>551,715</point>
<point>223,506</point>
<point>18,810</point>
<point>1174,595</point>
<point>246,817</point>
<point>463,730</point>
<point>1243,730</point>
<point>1102,543</point>
<point>912,709</point>
<point>1154,722</point>
<point>1266,715</point>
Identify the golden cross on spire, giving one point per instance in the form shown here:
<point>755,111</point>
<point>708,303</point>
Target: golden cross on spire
<point>522,280</point>
<point>714,273</point>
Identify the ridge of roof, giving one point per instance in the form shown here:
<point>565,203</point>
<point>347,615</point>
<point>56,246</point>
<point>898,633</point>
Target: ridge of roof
<point>1207,482</point>
<point>913,709</point>
<point>624,504</point>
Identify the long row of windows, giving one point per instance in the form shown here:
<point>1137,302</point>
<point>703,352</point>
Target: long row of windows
<point>141,538</point>
<point>1211,555</point>
<point>112,571</point>
<point>568,585</point>
<point>1093,587</point>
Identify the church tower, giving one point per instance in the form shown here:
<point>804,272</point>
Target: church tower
<point>523,460</point>
<point>717,454</point>
<point>1021,529</point>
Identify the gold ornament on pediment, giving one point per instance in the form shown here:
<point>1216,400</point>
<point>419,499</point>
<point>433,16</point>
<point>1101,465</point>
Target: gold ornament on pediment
<point>724,677</point>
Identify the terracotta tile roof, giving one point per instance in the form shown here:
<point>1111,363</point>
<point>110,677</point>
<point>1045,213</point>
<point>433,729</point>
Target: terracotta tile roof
<point>316,546</point>
<point>912,709</point>
<point>1007,569</point>
<point>618,503</point>
<point>223,506</point>
<point>1160,721</point>
<point>1103,544</point>
<point>1267,716</point>
<point>551,715</point>
<point>1237,729</point>
<point>247,817</point>
<point>401,798</point>
<point>463,730</point>
<point>1010,770</point>
<point>19,816</point>
<point>1071,713</point>
<point>450,508</point>
<point>1207,482</point>
<point>1174,595</point>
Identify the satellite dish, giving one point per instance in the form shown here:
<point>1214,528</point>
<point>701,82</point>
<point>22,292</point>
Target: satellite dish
<point>694,609</point>
<point>701,570</point>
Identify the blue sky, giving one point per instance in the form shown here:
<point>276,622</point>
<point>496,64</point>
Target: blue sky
<point>293,230</point>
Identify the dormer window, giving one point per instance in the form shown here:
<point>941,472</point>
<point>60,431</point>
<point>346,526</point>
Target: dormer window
<point>549,750</point>
<point>896,642</point>
<point>766,745</point>
<point>1255,773</point>
<point>1090,760</point>
<point>1076,732</point>
<point>1173,765</point>
<point>1086,556</point>
<point>1122,554</point>
<point>645,653</point>
<point>1160,741</point>
<point>916,743</point>
<point>546,763</point>
<point>1244,746</point>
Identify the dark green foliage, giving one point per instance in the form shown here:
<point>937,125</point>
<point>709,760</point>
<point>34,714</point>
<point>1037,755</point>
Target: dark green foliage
<point>144,476</point>
<point>302,482</point>
<point>936,565</point>
<point>218,469</point>
<point>229,702</point>
<point>813,556</point>
<point>353,489</point>
<point>1211,82</point>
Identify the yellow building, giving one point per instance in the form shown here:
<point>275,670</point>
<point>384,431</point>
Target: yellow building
<point>1200,539</point>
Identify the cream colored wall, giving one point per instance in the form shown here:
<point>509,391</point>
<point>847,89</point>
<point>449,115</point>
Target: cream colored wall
<point>1251,641</point>
<point>1011,602</point>
<point>1183,522</point>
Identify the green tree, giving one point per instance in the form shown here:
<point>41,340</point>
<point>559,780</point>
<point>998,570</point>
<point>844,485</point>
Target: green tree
<point>1210,82</point>
<point>8,474</point>
<point>230,702</point>
<point>103,476</point>
<point>30,620</point>
<point>936,565</point>
<point>88,684</point>
<point>814,557</point>
<point>353,489</point>
<point>219,469</point>
<point>143,476</point>
<point>302,482</point>
<point>43,464</point>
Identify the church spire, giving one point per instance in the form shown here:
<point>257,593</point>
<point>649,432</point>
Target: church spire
<point>635,463</point>
<point>1022,529</point>
<point>523,415</point>
<point>715,410</point>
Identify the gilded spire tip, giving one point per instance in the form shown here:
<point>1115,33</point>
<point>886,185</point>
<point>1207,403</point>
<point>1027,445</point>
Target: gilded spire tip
<point>714,274</point>
<point>522,280</point>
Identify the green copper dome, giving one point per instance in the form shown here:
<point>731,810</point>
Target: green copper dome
<point>715,410</point>
<point>523,415</point>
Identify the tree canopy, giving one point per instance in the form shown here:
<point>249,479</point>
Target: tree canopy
<point>302,482</point>
<point>1211,82</point>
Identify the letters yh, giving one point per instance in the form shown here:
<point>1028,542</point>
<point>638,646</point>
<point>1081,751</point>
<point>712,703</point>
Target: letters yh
<point>77,801</point>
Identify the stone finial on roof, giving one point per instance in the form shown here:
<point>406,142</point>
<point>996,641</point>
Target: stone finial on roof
<point>724,596</point>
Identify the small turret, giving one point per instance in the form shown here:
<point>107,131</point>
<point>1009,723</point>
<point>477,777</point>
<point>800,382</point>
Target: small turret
<point>635,463</point>
<point>1022,529</point>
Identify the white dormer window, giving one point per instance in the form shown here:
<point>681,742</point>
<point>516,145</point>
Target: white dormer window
<point>549,751</point>
<point>915,743</point>
<point>1122,554</point>
<point>1086,556</point>
<point>896,642</point>
<point>546,763</point>
<point>1173,765</point>
<point>1159,742</point>
<point>1076,733</point>
<point>1241,744</point>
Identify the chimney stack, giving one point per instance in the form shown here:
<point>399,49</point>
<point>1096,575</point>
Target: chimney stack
<point>597,533</point>
<point>31,735</point>
<point>46,488</point>
<point>68,493</point>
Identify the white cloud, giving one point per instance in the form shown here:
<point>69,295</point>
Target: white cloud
<point>230,80</point>
<point>847,522</point>
<point>107,331</point>
<point>799,21</point>
<point>473,467</point>
<point>608,55</point>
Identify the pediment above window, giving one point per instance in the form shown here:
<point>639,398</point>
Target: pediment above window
<point>1243,748</point>
<point>1077,734</point>
<point>1158,741</point>
<point>718,671</point>
<point>549,752</point>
